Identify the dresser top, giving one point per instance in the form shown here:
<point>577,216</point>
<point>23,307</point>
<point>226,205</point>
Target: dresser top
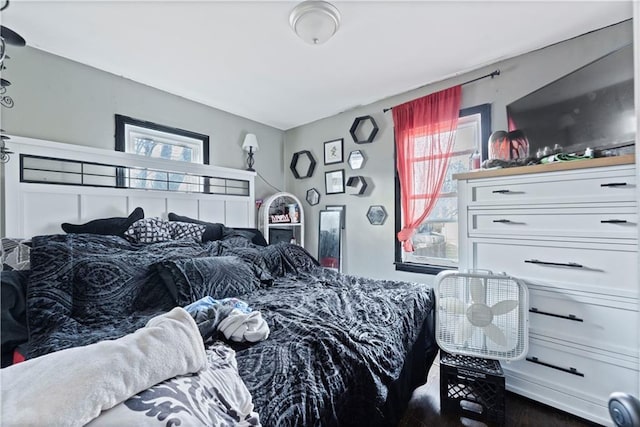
<point>549,167</point>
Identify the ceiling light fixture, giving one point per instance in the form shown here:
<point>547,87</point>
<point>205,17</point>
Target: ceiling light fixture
<point>315,21</point>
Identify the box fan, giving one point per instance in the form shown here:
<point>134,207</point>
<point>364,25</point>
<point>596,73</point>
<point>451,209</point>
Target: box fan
<point>481,319</point>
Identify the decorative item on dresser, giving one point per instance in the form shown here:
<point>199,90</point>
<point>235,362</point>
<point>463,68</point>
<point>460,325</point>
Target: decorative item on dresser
<point>569,230</point>
<point>281,218</point>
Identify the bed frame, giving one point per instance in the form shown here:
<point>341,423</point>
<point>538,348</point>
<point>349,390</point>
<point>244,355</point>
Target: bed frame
<point>46,183</point>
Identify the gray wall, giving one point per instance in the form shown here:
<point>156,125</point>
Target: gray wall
<point>62,100</point>
<point>369,250</point>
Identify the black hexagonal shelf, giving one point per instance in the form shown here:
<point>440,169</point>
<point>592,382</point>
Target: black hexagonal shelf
<point>356,185</point>
<point>355,129</point>
<point>301,155</point>
<point>376,214</point>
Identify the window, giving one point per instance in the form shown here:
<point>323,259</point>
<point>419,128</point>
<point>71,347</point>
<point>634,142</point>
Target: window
<point>435,241</point>
<point>162,142</point>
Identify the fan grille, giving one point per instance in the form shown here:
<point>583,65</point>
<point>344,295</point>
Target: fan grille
<point>482,315</point>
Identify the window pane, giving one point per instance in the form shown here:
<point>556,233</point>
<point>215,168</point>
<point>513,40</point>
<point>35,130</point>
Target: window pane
<point>436,239</point>
<point>457,164</point>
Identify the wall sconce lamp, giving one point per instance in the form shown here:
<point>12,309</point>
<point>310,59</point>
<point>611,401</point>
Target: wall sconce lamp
<point>315,22</point>
<point>4,150</point>
<point>250,145</point>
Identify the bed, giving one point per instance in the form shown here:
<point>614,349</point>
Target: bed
<point>340,350</point>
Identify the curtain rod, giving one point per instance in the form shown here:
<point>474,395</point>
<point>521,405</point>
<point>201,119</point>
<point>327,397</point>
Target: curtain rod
<point>491,74</point>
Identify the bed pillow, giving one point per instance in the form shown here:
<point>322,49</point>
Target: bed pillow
<point>148,230</point>
<point>154,230</point>
<point>188,280</point>
<point>251,255</point>
<point>15,254</point>
<point>212,232</point>
<point>254,235</point>
<point>115,226</point>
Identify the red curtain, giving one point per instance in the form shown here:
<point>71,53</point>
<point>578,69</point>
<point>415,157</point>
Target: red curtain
<point>425,133</point>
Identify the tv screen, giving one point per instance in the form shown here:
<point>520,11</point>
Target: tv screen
<point>591,107</point>
<point>277,235</point>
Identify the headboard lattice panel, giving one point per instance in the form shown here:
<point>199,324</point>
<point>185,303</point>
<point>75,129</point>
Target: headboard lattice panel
<point>58,184</point>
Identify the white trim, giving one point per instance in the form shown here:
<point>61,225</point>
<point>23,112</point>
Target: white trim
<point>35,208</point>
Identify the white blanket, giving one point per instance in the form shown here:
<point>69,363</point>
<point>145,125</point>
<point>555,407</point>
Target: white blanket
<point>71,387</point>
<point>239,326</point>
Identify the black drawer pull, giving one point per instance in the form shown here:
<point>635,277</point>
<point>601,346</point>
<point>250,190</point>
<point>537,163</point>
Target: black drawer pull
<point>572,371</point>
<point>559,264</point>
<point>614,184</point>
<point>503,221</point>
<point>501,191</point>
<point>614,221</point>
<point>561,316</point>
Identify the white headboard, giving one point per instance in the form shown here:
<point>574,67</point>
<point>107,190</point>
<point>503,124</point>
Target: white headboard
<point>82,187</point>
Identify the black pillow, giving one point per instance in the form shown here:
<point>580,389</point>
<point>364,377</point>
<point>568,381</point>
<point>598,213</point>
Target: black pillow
<point>14,309</point>
<point>190,279</point>
<point>212,232</point>
<point>115,226</point>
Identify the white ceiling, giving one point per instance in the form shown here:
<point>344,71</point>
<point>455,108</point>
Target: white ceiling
<point>242,56</point>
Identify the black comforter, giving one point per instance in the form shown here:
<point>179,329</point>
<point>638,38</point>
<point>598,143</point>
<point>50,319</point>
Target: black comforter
<point>341,349</point>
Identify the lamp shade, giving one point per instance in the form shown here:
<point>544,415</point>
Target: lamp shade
<point>11,37</point>
<point>250,143</point>
<point>315,21</point>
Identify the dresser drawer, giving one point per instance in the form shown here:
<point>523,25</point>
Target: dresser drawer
<point>616,185</point>
<point>576,372</point>
<point>598,223</point>
<point>582,320</point>
<point>600,268</point>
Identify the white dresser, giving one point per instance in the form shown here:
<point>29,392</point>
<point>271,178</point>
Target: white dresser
<point>570,230</point>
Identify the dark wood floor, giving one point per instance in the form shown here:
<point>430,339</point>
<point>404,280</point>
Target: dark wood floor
<point>424,410</point>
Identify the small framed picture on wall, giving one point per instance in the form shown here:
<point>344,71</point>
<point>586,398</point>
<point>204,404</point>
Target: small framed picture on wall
<point>334,181</point>
<point>333,152</point>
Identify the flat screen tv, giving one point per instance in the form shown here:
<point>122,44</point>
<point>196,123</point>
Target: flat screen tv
<point>591,107</point>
